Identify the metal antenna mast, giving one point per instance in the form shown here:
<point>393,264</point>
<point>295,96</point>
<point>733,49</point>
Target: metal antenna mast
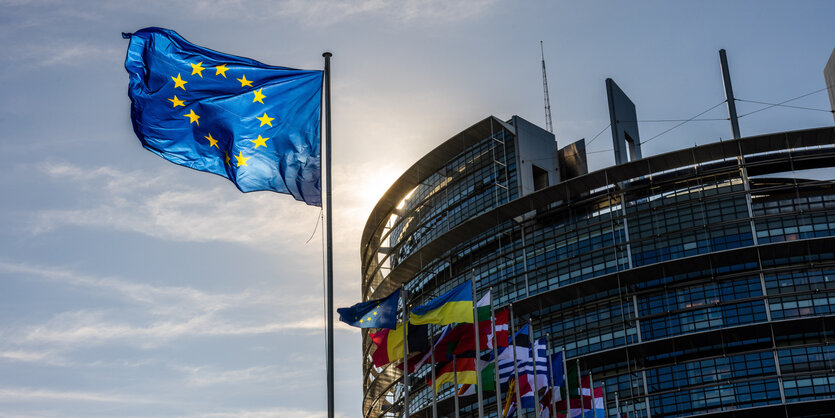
<point>548,124</point>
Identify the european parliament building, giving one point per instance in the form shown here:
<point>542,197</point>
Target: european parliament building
<point>696,282</point>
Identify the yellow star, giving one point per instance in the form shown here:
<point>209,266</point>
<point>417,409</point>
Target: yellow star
<point>266,120</point>
<point>244,81</point>
<point>241,159</point>
<point>176,101</point>
<point>260,142</point>
<point>192,117</point>
<point>178,82</point>
<point>259,97</point>
<point>221,70</point>
<point>227,159</point>
<point>212,141</point>
<point>197,69</point>
<point>361,320</point>
<point>375,312</point>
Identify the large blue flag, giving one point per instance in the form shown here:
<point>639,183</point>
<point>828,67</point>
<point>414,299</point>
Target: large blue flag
<point>255,124</point>
<point>378,313</point>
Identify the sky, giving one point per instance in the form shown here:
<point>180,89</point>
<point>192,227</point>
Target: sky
<point>130,286</point>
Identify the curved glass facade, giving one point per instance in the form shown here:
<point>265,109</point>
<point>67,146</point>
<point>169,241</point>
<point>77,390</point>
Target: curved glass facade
<point>698,281</point>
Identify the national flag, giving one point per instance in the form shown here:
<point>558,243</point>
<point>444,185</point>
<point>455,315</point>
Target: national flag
<point>488,380</point>
<point>462,370</point>
<point>528,383</point>
<point>509,404</point>
<point>502,319</point>
<point>587,394</point>
<point>413,362</point>
<point>545,404</point>
<point>255,124</point>
<point>453,306</point>
<point>556,376</point>
<point>437,347</point>
<point>466,342</point>
<point>378,313</point>
<point>599,405</point>
<point>390,343</point>
<point>506,356</point>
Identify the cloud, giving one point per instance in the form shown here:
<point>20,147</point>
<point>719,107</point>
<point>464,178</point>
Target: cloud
<point>328,12</point>
<point>137,202</point>
<point>35,394</point>
<point>161,314</point>
<point>266,413</point>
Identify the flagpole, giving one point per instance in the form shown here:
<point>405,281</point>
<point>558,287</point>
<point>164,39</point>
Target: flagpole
<point>533,361</point>
<point>455,382</point>
<point>405,297</point>
<point>591,390</point>
<point>432,368</point>
<point>329,233</point>
<point>580,386</point>
<point>551,372</point>
<point>605,406</point>
<point>515,366</point>
<point>617,405</point>
<point>565,381</point>
<point>495,356</point>
<point>477,352</point>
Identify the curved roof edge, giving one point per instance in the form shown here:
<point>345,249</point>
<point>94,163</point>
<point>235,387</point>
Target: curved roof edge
<point>607,176</point>
<point>422,169</point>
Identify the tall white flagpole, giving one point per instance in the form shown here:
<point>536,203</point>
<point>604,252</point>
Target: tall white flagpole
<point>565,381</point>
<point>477,353</point>
<point>548,352</point>
<point>495,357</point>
<point>533,360</point>
<point>515,366</point>
<point>405,296</point>
<point>328,235</point>
<point>455,382</point>
<point>432,368</point>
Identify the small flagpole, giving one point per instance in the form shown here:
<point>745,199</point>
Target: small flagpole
<point>617,405</point>
<point>455,382</point>
<point>405,297</point>
<point>553,413</point>
<point>591,390</point>
<point>329,233</point>
<point>495,356</point>
<point>533,361</point>
<point>580,387</point>
<point>565,381</point>
<point>477,352</point>
<point>432,368</point>
<point>515,366</point>
<point>605,404</point>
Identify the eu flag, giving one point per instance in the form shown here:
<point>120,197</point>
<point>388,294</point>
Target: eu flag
<point>255,124</point>
<point>378,313</point>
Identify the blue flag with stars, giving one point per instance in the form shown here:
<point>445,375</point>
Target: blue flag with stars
<point>255,124</point>
<point>378,313</point>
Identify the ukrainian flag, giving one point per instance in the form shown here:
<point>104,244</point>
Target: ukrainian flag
<point>453,306</point>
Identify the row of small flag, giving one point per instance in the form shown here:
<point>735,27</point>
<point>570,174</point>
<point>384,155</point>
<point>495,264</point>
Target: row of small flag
<point>522,366</point>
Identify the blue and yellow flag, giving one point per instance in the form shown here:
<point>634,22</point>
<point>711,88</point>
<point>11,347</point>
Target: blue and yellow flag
<point>255,124</point>
<point>378,313</point>
<point>453,306</point>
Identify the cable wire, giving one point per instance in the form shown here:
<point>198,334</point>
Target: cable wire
<point>674,120</point>
<point>686,120</point>
<point>785,101</point>
<point>781,105</point>
<point>598,134</point>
